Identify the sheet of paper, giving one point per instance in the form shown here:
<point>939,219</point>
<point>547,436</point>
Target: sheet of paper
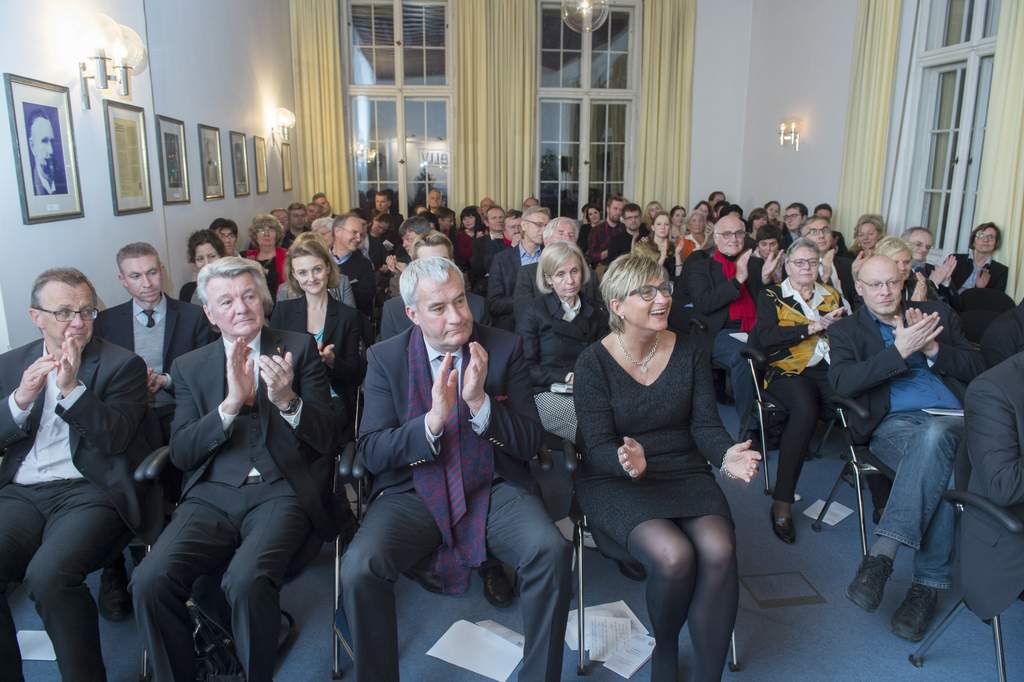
<point>836,511</point>
<point>565,527</point>
<point>478,650</point>
<point>615,609</point>
<point>507,634</point>
<point>631,655</point>
<point>606,634</point>
<point>935,411</point>
<point>35,645</point>
<point>739,336</point>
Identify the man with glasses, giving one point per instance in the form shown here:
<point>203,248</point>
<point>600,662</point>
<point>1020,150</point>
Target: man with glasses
<point>899,360</point>
<point>622,243</point>
<point>834,270</point>
<point>349,232</point>
<point>71,436</point>
<point>793,216</point>
<point>501,281</point>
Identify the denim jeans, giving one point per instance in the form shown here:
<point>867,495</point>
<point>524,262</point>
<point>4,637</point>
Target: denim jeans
<point>921,448</point>
<point>725,351</point>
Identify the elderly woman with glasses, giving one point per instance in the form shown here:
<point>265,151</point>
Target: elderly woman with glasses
<point>652,440</point>
<point>792,319</point>
<point>266,233</point>
<point>978,268</point>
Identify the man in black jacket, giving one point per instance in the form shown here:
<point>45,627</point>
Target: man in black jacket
<point>1004,337</point>
<point>349,232</point>
<point>899,362</point>
<point>501,280</point>
<point>70,438</point>
<point>487,247</point>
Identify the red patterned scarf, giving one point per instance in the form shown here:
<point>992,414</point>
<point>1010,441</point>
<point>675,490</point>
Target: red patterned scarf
<point>742,308</point>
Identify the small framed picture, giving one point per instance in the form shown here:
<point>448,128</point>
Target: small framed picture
<point>170,142</point>
<point>43,139</point>
<point>286,166</point>
<point>126,154</point>
<point>259,154</point>
<point>239,163</point>
<point>209,162</point>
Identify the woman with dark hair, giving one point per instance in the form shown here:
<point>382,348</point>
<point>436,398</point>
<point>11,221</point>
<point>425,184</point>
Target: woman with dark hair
<point>978,268</point>
<point>204,246</point>
<point>774,210</point>
<point>677,217</point>
<point>589,220</point>
<point>227,230</point>
<point>471,225</point>
<point>705,208</point>
<point>757,219</point>
<point>716,196</point>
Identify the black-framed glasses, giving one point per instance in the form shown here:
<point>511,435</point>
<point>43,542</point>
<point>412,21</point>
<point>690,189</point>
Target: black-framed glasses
<point>649,292</point>
<point>66,315</point>
<point>804,262</point>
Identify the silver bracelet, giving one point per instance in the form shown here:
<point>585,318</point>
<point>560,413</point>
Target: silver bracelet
<point>721,467</point>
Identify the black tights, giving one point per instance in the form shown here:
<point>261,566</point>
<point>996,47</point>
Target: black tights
<point>691,574</point>
<point>802,396</point>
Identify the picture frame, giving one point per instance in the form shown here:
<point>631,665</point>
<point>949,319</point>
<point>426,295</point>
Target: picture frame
<point>239,163</point>
<point>173,154</point>
<point>259,157</point>
<point>49,190</point>
<point>210,168</point>
<point>127,157</point>
<point>286,166</point>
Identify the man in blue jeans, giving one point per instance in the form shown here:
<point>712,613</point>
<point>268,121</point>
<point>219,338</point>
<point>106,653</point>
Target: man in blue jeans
<point>898,360</point>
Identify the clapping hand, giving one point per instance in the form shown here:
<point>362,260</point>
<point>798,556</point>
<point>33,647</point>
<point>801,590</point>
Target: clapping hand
<point>241,378</point>
<point>915,316</point>
<point>943,271</point>
<point>741,462</point>
<point>33,380</point>
<point>983,278</point>
<point>741,266</point>
<point>443,394</point>
<point>476,375</point>
<point>327,355</point>
<point>859,261</point>
<point>154,380</point>
<point>277,373</point>
<point>918,334</point>
<point>67,367</point>
<point>920,288</point>
<point>825,321</point>
<point>771,265</point>
<point>631,458</point>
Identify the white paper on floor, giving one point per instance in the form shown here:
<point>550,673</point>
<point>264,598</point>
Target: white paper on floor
<point>507,634</point>
<point>477,649</point>
<point>598,632</point>
<point>631,655</point>
<point>836,511</point>
<point>35,645</point>
<point>565,527</point>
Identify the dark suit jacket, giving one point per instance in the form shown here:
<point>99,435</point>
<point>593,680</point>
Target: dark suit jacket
<point>550,344</point>
<point>965,265</point>
<point>501,282</point>
<point>343,328</point>
<point>1004,337</point>
<point>363,279</point>
<point>861,366</point>
<point>484,251</point>
<point>622,243</point>
<point>390,444</point>
<point>711,293</point>
<point>305,455</point>
<point>526,289</point>
<point>105,427</point>
<point>394,321</point>
<point>185,329</point>
<point>991,559</point>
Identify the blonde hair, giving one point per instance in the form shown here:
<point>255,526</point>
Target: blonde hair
<point>262,220</point>
<point>553,255</point>
<point>430,238</point>
<point>625,274</point>
<point>890,247</point>
<point>310,244</point>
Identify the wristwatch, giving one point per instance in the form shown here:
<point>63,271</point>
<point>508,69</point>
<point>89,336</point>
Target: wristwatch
<point>293,407</point>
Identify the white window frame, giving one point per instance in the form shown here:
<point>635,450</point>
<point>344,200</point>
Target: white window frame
<point>397,91</point>
<point>586,95</point>
<point>905,139</point>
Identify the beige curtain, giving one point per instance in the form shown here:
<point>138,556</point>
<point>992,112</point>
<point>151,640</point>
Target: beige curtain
<point>666,98</point>
<point>867,118</point>
<point>319,125</point>
<point>1001,182</point>
<point>494,50</point>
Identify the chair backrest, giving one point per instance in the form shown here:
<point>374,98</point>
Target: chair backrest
<point>975,322</point>
<point>985,299</point>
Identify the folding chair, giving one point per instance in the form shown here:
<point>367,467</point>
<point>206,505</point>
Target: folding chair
<point>770,411</point>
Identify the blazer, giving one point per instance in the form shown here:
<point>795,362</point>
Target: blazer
<point>363,279</point>
<point>1004,337</point>
<point>305,455</point>
<point>711,293</point>
<point>185,329</point>
<point>484,251</point>
<point>501,283</point>
<point>390,445</point>
<point>550,344</point>
<point>999,273</point>
<point>861,366</point>
<point>394,321</point>
<point>342,327</point>
<point>780,332</point>
<point>991,558</point>
<point>622,243</point>
<point>526,289</point>
<point>106,431</point>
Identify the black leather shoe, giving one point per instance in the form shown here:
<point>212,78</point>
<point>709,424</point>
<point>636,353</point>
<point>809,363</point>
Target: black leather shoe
<point>866,589</point>
<point>916,613</point>
<point>114,602</point>
<point>633,570</point>
<point>783,527</point>
<point>497,588</point>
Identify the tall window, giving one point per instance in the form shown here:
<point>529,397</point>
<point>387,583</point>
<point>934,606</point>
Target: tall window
<point>938,163</point>
<point>398,89</point>
<point>586,94</point>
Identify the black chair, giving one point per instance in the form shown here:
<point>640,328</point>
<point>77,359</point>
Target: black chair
<point>771,413</point>
<point>974,322</point>
<point>985,299</point>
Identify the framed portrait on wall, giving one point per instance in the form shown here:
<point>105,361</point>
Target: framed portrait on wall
<point>286,166</point>
<point>209,162</point>
<point>126,155</point>
<point>43,139</point>
<point>259,154</point>
<point>239,163</point>
<point>170,143</point>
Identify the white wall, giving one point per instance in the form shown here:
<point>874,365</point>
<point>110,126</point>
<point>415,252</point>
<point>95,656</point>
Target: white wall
<point>224,63</point>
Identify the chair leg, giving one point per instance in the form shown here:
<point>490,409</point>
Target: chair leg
<point>336,645</point>
<point>764,450</point>
<point>858,484</point>
<point>917,658</point>
<point>734,660</point>
<point>144,675</point>
<point>997,634</point>
<point>824,437</point>
<point>816,524</point>
<point>581,663</point>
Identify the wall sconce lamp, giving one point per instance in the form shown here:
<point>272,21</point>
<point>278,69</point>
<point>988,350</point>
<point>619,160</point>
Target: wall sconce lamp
<point>789,133</point>
<point>284,121</point>
<point>109,41</point>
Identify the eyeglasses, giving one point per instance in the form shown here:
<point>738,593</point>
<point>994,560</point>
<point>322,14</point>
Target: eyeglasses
<point>649,292</point>
<point>985,237</point>
<point>804,262</point>
<point>818,231</point>
<point>921,245</point>
<point>789,216</point>
<point>738,234</point>
<point>66,315</point>
<point>888,284</point>
<point>264,230</point>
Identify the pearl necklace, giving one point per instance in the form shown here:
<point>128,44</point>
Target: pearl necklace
<point>642,364</point>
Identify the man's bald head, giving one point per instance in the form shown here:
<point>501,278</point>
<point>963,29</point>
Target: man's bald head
<point>729,234</point>
<point>880,285</point>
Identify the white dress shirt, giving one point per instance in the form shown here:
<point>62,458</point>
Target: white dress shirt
<point>479,421</point>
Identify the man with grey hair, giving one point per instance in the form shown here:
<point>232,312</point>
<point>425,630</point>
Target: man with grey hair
<point>501,280</point>
<point>254,432</point>
<point>448,430</point>
<point>349,233</point>
<point>559,229</point>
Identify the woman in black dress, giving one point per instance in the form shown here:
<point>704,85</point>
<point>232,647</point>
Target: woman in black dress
<point>652,437</point>
<point>204,246</point>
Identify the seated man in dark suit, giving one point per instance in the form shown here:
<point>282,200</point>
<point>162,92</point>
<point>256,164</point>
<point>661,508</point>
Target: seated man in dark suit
<point>560,229</point>
<point>451,451</point>
<point>254,432</point>
<point>433,244</point>
<point>898,360</point>
<point>1004,337</point>
<point>991,559</point>
<point>633,229</point>
<point>69,438</point>
<point>833,270</point>
<point>487,247</point>
<point>501,280</point>
<point>349,232</point>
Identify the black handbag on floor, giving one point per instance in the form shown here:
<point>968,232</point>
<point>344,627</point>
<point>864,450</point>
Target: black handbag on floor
<point>215,660</point>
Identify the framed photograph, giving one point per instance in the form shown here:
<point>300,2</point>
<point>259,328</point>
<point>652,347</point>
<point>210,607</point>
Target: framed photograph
<point>259,153</point>
<point>209,162</point>
<point>286,166</point>
<point>126,154</point>
<point>170,142</point>
<point>43,139</point>
<point>239,163</point>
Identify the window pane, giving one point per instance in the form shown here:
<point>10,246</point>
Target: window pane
<point>949,22</point>
<point>413,58</point>
<point>550,66</point>
<point>619,30</point>
<point>599,70</point>
<point>597,122</point>
<point>549,162</point>
<point>618,76</point>
<point>560,156</point>
<point>383,25</point>
<point>597,163</point>
<point>571,40</point>
<point>433,26</point>
<point>616,162</point>
<point>992,17</point>
<point>570,69</point>
<point>977,147</point>
<point>426,150</point>
<point>551,30</point>
<point>362,25</point>
<point>374,145</point>
<point>437,122</point>
<point>607,149</point>
<point>385,65</point>
<point>434,67</point>
<point>412,25</point>
<point>549,112</point>
<point>609,59</point>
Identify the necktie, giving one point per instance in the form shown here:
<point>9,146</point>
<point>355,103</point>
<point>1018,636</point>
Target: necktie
<point>150,320</point>
<point>452,442</point>
<point>250,399</point>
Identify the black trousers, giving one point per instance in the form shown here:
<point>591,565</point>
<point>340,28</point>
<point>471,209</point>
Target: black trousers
<point>398,532</point>
<point>255,530</point>
<point>52,536</point>
<point>803,396</point>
